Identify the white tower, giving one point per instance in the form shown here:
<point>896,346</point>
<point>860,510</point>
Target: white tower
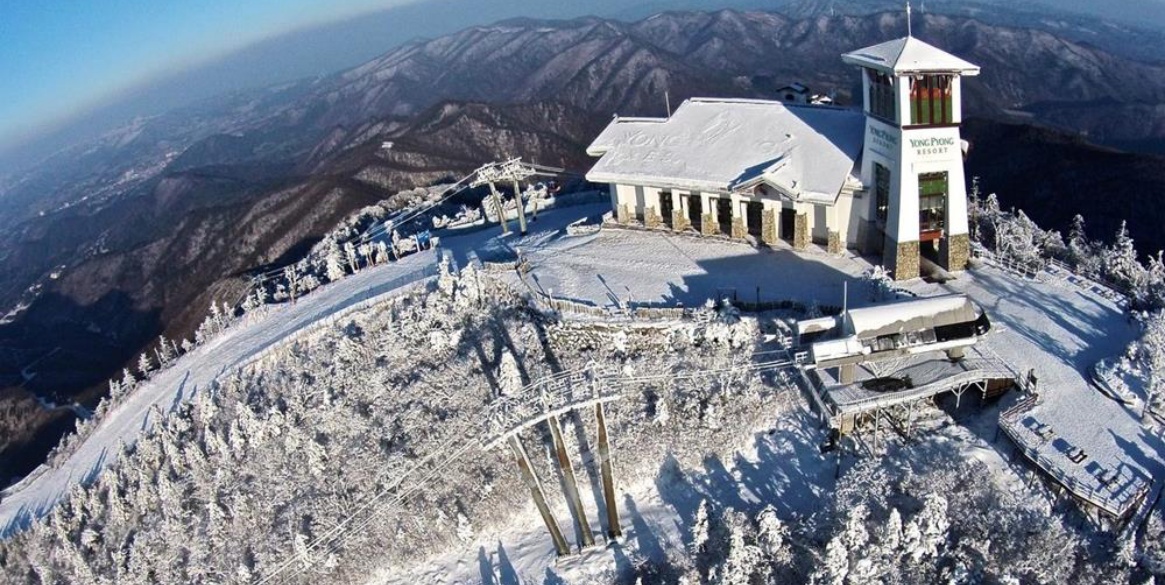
<point>913,158</point>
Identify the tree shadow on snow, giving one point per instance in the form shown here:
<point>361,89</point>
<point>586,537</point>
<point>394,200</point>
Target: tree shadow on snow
<point>507,575</point>
<point>486,567</point>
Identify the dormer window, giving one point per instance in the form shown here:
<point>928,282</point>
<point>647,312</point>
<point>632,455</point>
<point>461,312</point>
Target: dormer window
<point>930,100</point>
<point>882,95</point>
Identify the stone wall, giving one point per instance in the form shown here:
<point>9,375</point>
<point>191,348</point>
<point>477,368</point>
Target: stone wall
<point>679,221</point>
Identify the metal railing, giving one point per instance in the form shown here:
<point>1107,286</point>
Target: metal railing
<point>1109,496</point>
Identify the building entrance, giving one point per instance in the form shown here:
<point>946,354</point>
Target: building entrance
<point>788,224</point>
<point>695,212</point>
<point>724,215</point>
<point>754,211</point>
<point>932,206</point>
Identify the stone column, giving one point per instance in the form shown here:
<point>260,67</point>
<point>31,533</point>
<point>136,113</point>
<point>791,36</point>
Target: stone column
<point>906,260</point>
<point>651,218</point>
<point>835,246</point>
<point>623,214</point>
<point>768,229</point>
<point>708,224</point>
<point>954,251</point>
<point>679,220</point>
<point>801,231</point>
<point>738,229</point>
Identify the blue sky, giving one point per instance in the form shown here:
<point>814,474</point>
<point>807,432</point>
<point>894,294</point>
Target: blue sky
<point>59,56</point>
<point>62,59</point>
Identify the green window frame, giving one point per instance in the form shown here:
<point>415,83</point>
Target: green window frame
<point>932,201</point>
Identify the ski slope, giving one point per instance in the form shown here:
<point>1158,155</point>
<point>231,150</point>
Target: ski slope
<point>232,349</point>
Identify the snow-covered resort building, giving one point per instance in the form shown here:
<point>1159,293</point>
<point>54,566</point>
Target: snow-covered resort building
<point>887,180</point>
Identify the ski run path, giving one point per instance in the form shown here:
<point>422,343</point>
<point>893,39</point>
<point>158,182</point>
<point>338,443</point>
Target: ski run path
<point>1054,327</point>
<point>234,348</point>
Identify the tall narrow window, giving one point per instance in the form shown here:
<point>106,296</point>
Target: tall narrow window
<point>882,95</point>
<point>932,201</point>
<point>881,192</point>
<point>930,100</point>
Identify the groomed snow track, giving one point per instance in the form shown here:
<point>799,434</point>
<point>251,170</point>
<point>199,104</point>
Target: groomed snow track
<point>231,350</point>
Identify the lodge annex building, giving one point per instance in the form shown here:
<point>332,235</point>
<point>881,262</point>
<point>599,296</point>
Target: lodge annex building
<point>887,180</point>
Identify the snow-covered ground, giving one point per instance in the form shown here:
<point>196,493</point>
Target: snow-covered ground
<point>235,348</point>
<point>663,269</point>
<point>1057,331</point>
<point>1056,328</point>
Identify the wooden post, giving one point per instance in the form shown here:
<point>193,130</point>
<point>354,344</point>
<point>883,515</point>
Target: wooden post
<point>521,208</point>
<point>497,199</point>
<point>571,487</point>
<point>539,497</point>
<point>613,529</point>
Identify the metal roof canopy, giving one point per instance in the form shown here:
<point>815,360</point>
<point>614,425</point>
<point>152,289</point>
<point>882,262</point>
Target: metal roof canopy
<point>909,55</point>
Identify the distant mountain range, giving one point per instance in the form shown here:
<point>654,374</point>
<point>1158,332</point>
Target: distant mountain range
<point>120,239</point>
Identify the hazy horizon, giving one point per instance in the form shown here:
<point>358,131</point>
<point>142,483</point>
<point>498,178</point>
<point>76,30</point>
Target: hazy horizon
<point>100,66</point>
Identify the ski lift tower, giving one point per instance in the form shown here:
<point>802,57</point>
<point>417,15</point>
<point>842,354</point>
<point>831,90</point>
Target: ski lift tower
<point>513,171</point>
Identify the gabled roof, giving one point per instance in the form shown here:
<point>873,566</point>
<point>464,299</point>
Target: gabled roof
<point>908,55</point>
<point>721,145</point>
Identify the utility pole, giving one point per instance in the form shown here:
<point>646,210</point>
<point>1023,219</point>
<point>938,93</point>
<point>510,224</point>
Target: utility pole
<point>521,208</point>
<point>514,171</point>
<point>571,486</point>
<point>613,529</point>
<point>535,486</point>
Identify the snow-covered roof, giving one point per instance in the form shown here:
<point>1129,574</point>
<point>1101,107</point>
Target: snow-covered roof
<point>910,316</point>
<point>804,152</point>
<point>909,55</point>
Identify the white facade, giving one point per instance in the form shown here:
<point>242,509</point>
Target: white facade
<point>888,180</point>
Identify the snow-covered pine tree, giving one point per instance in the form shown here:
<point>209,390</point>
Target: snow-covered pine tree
<point>744,557</point>
<point>509,376</point>
<point>700,531</point>
<point>145,364</point>
<point>879,284</point>
<point>381,252</point>
<point>292,277</point>
<point>350,255</point>
<point>773,537</point>
<point>333,259</point>
<point>165,351</point>
<point>1121,266</point>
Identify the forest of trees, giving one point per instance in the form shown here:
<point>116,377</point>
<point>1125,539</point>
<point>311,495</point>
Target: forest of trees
<point>291,467</point>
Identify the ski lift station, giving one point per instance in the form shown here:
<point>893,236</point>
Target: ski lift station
<point>864,361</point>
<point>887,180</point>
